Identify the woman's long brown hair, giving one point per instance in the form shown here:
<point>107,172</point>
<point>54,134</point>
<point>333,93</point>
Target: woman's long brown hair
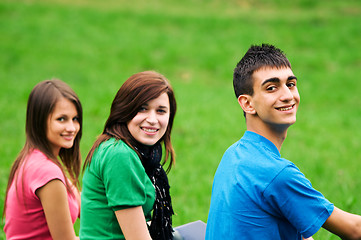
<point>136,91</point>
<point>41,103</point>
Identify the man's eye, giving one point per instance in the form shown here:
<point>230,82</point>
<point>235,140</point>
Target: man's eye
<point>271,88</point>
<point>291,85</point>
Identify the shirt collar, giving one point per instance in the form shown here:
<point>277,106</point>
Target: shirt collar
<point>255,137</point>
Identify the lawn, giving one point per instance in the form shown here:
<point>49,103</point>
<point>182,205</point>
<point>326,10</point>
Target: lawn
<point>95,46</point>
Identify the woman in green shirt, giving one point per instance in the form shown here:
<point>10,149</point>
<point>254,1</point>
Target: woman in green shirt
<point>124,183</point>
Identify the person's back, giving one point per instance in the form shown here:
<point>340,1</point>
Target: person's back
<point>25,214</point>
<point>251,182</point>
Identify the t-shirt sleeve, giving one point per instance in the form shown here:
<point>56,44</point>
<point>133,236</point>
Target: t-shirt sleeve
<point>124,179</point>
<point>292,195</point>
<point>40,171</point>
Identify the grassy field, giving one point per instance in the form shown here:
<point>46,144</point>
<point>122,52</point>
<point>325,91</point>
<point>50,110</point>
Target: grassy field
<point>95,46</point>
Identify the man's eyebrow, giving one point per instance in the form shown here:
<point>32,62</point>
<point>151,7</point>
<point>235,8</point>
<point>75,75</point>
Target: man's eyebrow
<point>292,78</point>
<point>277,80</point>
<point>274,79</point>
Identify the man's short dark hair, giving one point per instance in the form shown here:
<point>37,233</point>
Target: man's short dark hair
<point>256,57</point>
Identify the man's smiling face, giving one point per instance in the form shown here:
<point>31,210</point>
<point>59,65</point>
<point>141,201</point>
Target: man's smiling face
<point>275,97</point>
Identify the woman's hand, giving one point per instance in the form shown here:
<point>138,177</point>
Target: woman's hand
<point>133,224</point>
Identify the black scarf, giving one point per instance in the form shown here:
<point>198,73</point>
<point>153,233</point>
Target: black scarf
<point>161,224</point>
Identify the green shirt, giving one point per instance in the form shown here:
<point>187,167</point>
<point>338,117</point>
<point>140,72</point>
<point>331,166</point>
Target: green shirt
<point>114,180</point>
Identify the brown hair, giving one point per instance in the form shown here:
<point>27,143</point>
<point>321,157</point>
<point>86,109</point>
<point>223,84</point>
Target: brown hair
<point>136,91</point>
<point>41,103</point>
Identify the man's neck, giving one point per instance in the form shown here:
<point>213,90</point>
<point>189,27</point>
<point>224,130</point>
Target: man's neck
<point>276,135</point>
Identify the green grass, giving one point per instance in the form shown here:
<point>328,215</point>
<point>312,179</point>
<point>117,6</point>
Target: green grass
<point>95,46</point>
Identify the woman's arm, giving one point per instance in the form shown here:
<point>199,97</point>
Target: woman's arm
<point>54,199</point>
<point>133,224</point>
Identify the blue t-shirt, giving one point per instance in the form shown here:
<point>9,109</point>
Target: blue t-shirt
<point>259,195</point>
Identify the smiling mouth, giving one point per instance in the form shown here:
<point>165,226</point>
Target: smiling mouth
<point>285,108</point>
<point>69,137</point>
<point>150,130</point>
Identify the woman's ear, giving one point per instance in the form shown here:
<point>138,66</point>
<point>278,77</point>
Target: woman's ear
<point>245,101</point>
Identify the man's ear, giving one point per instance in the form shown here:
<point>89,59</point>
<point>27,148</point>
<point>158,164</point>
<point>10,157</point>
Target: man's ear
<point>245,101</point>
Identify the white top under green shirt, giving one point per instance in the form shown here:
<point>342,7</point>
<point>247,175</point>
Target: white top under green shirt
<point>114,180</point>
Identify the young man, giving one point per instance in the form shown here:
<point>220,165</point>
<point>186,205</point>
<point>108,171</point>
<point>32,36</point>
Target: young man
<point>257,194</point>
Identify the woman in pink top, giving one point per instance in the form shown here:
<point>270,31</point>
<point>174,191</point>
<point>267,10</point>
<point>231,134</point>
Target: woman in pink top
<point>42,196</point>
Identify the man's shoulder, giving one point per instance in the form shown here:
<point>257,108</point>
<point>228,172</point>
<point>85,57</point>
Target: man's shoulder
<point>250,147</point>
<point>253,155</point>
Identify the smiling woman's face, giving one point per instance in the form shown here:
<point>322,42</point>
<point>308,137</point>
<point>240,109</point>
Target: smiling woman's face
<point>62,125</point>
<point>151,121</point>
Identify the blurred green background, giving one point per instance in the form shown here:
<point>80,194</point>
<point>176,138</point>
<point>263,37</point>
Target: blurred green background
<point>95,46</point>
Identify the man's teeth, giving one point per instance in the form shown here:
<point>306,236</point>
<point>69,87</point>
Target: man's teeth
<point>285,109</point>
<point>149,130</point>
